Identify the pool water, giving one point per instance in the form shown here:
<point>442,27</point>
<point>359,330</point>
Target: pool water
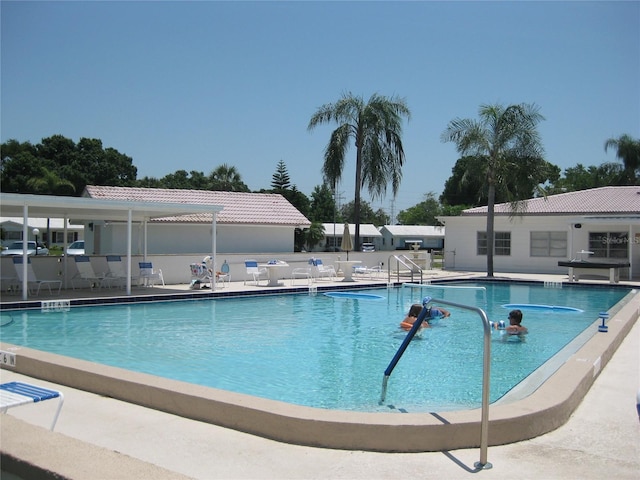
<point>323,351</point>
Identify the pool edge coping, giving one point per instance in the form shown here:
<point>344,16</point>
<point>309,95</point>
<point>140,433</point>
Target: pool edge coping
<point>549,407</point>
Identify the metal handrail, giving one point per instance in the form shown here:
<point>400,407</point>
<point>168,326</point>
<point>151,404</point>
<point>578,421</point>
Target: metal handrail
<point>400,259</point>
<point>486,370</point>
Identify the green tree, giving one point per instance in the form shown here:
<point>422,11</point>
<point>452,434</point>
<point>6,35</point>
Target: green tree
<point>227,178</point>
<point>367,214</point>
<point>18,169</point>
<point>297,199</point>
<point>503,136</point>
<point>280,180</point>
<point>86,163</point>
<point>375,128</point>
<point>582,178</point>
<point>323,205</point>
<point>424,213</point>
<point>628,151</point>
<point>49,183</point>
<point>314,235</point>
<point>467,187</point>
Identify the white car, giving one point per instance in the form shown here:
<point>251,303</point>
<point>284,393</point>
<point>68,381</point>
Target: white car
<point>368,247</point>
<point>76,248</point>
<point>15,249</point>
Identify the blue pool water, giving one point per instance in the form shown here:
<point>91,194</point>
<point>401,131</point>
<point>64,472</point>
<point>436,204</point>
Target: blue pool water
<point>322,351</point>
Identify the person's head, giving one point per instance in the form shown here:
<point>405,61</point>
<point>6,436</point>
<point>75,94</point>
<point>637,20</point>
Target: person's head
<point>415,310</point>
<point>515,317</point>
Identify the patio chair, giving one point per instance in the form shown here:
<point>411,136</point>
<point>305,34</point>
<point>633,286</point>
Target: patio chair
<point>117,271</point>
<point>148,275</point>
<point>322,270</point>
<point>87,274</point>
<point>15,394</point>
<point>304,272</point>
<point>32,281</point>
<point>224,274</point>
<point>255,272</point>
<point>368,272</point>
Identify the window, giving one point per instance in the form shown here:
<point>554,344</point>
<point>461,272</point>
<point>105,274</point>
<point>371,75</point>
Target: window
<point>502,243</point>
<point>609,244</point>
<point>548,244</point>
<point>333,241</point>
<point>12,235</point>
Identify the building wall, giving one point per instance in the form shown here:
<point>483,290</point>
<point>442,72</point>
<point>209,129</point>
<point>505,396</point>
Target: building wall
<point>461,243</point>
<point>190,238</point>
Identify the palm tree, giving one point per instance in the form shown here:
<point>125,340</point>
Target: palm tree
<point>227,178</point>
<point>502,137</point>
<point>628,150</point>
<point>49,183</point>
<point>376,128</point>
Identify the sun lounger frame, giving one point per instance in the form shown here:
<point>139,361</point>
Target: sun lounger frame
<point>16,394</point>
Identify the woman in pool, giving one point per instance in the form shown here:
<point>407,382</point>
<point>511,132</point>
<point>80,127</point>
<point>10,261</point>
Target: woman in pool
<point>414,311</point>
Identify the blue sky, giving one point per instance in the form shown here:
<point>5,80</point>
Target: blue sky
<point>193,85</point>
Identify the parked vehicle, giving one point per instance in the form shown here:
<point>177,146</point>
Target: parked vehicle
<point>15,249</point>
<point>76,248</point>
<point>368,247</point>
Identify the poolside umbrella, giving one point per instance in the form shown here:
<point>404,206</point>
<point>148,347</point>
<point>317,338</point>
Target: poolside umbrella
<point>346,244</point>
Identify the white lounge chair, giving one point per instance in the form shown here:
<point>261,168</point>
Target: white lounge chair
<point>32,281</point>
<point>148,275</point>
<point>87,274</point>
<point>368,272</point>
<point>15,394</point>
<point>255,272</point>
<point>117,272</point>
<point>322,270</point>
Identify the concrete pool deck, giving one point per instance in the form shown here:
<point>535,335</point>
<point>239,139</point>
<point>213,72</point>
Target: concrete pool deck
<point>600,439</point>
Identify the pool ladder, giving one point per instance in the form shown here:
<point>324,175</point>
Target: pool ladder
<point>482,464</point>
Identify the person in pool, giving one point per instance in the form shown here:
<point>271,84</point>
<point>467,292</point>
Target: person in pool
<point>414,312</point>
<point>515,324</point>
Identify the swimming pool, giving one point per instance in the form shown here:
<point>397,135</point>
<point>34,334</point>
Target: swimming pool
<point>320,351</point>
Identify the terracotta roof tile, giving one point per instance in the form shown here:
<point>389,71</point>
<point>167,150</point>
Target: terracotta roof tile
<point>603,200</point>
<point>238,207</point>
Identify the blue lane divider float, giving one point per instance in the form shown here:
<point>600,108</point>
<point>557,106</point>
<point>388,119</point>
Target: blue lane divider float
<point>531,306</point>
<point>354,295</point>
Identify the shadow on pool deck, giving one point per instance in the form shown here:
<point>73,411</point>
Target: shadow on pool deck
<point>600,439</point>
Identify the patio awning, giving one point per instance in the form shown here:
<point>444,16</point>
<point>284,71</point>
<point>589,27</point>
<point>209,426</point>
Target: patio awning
<point>82,208</point>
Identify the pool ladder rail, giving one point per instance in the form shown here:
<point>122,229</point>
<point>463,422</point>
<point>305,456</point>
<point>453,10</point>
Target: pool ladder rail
<point>482,464</point>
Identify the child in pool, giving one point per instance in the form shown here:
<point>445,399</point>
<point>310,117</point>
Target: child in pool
<point>414,312</point>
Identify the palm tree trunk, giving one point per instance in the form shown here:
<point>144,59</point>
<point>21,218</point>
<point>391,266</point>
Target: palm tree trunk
<point>356,200</point>
<point>490,224</point>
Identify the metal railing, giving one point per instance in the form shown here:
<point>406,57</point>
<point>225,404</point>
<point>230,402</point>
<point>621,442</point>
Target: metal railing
<point>407,263</point>
<point>486,369</point>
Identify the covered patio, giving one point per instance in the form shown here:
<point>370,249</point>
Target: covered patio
<point>78,209</point>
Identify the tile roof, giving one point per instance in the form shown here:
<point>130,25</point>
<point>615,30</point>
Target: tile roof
<point>603,200</point>
<point>238,207</point>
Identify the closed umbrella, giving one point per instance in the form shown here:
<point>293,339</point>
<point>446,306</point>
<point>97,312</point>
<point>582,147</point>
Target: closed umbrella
<point>346,244</point>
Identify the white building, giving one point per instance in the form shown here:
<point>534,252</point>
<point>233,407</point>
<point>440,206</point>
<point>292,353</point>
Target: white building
<point>333,233</point>
<point>404,237</point>
<point>248,223</point>
<point>50,230</point>
<point>605,221</point>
